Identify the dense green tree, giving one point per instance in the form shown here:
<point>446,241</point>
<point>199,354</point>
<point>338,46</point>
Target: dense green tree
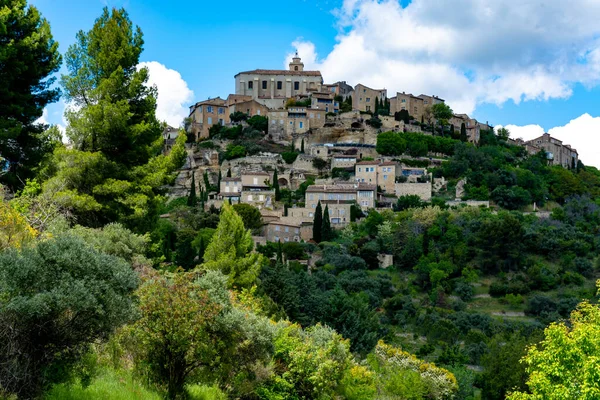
<point>192,199</point>
<point>463,133</point>
<point>276,186</point>
<point>319,164</point>
<point>58,297</point>
<point>326,231</point>
<point>302,146</point>
<point>230,250</point>
<point>114,109</point>
<point>390,144</point>
<point>250,215</point>
<point>318,223</point>
<point>442,113</point>
<point>28,57</point>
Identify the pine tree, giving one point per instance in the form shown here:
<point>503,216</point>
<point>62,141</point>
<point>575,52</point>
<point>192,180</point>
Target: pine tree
<point>422,120</point>
<point>302,146</point>
<point>29,57</point>
<point>276,186</point>
<point>318,223</point>
<point>192,200</point>
<point>285,210</point>
<point>463,133</point>
<point>326,232</point>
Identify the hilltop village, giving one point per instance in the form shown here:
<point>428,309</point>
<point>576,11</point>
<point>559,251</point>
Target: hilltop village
<point>301,133</point>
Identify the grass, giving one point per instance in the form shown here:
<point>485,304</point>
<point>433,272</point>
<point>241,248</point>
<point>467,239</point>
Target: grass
<point>109,385</point>
<point>120,385</point>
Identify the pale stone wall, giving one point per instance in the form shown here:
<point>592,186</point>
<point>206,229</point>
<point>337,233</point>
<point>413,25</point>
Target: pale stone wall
<point>423,190</point>
<point>363,98</point>
<point>278,86</point>
<point>385,260</point>
<point>470,203</point>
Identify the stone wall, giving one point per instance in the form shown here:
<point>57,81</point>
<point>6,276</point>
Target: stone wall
<point>423,190</point>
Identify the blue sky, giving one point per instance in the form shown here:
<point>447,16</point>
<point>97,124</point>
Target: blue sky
<point>518,64</point>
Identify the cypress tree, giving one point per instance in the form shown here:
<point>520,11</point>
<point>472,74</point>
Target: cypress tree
<point>376,105</point>
<point>302,146</point>
<point>206,182</point>
<point>229,173</point>
<point>219,180</point>
<point>422,120</point>
<point>326,232</point>
<point>276,186</point>
<point>192,200</point>
<point>201,248</point>
<point>463,133</point>
<point>285,210</point>
<point>318,223</point>
<point>279,253</point>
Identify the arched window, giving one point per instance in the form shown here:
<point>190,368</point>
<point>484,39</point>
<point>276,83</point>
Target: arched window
<point>296,68</point>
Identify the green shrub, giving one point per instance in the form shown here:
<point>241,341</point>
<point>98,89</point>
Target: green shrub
<point>289,156</point>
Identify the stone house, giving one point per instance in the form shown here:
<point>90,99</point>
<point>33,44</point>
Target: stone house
<point>557,152</point>
<point>407,101</point>
<point>386,176</point>
<point>272,87</point>
<point>205,114</point>
<point>360,193</point>
<point>246,105</point>
<point>345,161</point>
<point>231,189</point>
<point>285,124</point>
<point>339,89</point>
<point>256,190</point>
<point>364,97</point>
<point>366,172</point>
<point>431,100</point>
<point>472,126</point>
<point>324,101</point>
<point>289,229</point>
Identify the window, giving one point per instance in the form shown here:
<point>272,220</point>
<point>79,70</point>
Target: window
<point>425,102</point>
<point>312,115</point>
<point>221,110</point>
<point>221,122</point>
<point>200,109</point>
<point>342,211</point>
<point>296,85</point>
<point>250,85</point>
<point>276,239</point>
<point>287,229</point>
<point>311,196</point>
<point>209,120</point>
<point>359,169</point>
<point>255,180</point>
<point>297,230</point>
<point>364,90</point>
<point>368,108</point>
<point>209,109</point>
<point>261,197</point>
<point>277,228</point>
<point>249,197</point>
<point>385,177</point>
<point>279,85</point>
<point>226,189</point>
<point>257,112</point>
<point>403,100</point>
<point>281,121</point>
<point>264,84</point>
<point>301,124</point>
<point>296,68</point>
<point>368,99</point>
<point>311,215</point>
<point>313,206</point>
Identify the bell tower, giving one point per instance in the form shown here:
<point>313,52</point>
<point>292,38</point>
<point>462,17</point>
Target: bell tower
<point>296,64</point>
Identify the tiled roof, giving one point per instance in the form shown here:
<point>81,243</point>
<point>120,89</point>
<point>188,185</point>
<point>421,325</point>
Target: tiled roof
<point>296,222</point>
<point>231,179</point>
<point>340,188</point>
<point>256,173</point>
<point>280,72</point>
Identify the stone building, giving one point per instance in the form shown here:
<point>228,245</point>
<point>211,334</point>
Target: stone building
<point>472,126</point>
<point>207,113</point>
<point>431,100</point>
<point>231,189</point>
<point>557,152</point>
<point>366,172</point>
<point>409,102</point>
<point>272,87</point>
<point>339,89</point>
<point>289,229</point>
<point>363,98</point>
<point>386,176</point>
<point>246,105</point>
<point>285,124</point>
<point>341,193</point>
<point>324,101</point>
<point>345,161</point>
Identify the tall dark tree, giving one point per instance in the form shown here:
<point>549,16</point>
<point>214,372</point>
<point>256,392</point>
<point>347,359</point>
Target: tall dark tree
<point>302,146</point>
<point>276,186</point>
<point>116,114</point>
<point>318,223</point>
<point>206,183</point>
<point>192,199</point>
<point>463,133</point>
<point>229,173</point>
<point>28,57</point>
<point>377,105</point>
<point>279,253</point>
<point>219,180</point>
<point>326,231</point>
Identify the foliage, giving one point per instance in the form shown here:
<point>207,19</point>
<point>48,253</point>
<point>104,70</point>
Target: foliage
<point>326,231</point>
<point>14,229</point>
<point>289,156</point>
<point>390,144</point>
<point>234,151</point>
<point>250,215</point>
<point>259,123</point>
<point>319,164</point>
<point>28,58</point>
<point>318,223</point>
<point>564,365</point>
<point>409,201</point>
<point>56,299</point>
<point>230,250</point>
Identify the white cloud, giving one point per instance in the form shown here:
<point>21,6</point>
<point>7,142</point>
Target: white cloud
<point>173,93</point>
<point>582,133</point>
<point>46,119</point>
<point>466,51</point>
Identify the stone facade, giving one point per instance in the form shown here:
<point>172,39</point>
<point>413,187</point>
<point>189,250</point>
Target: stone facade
<point>363,98</point>
<point>386,176</point>
<point>289,229</point>
<point>207,113</point>
<point>285,124</point>
<point>557,152</point>
<point>339,89</point>
<point>341,193</point>
<point>366,172</point>
<point>343,161</point>
<point>231,188</point>
<point>407,101</point>
<point>273,87</point>
<point>472,126</point>
<point>423,190</point>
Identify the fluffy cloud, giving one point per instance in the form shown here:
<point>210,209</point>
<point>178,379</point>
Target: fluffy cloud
<point>466,51</point>
<point>173,93</point>
<point>583,133</point>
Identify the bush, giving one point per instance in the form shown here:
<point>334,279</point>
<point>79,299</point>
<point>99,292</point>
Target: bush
<point>234,151</point>
<point>57,298</point>
<point>259,123</point>
<point>289,156</point>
